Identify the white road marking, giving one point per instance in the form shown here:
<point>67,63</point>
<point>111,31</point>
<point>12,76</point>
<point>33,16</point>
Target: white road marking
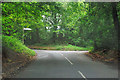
<point>82,75</point>
<point>67,59</point>
<point>61,54</point>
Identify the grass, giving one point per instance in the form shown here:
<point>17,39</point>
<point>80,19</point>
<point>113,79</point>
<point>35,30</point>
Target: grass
<point>68,47</point>
<point>16,45</point>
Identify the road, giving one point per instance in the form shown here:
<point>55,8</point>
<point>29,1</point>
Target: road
<point>67,64</point>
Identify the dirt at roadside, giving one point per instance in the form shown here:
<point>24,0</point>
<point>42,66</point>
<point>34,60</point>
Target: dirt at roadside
<point>109,56</point>
<point>12,62</point>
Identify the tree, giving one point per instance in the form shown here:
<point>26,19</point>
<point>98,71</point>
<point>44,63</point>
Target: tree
<point>81,24</point>
<point>116,21</point>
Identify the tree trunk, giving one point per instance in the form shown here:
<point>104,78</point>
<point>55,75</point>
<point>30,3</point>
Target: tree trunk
<point>55,28</point>
<point>95,45</point>
<point>116,21</point>
<point>37,34</point>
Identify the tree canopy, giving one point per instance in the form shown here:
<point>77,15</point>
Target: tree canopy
<point>77,23</point>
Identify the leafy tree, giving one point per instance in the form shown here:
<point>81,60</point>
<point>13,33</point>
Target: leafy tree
<point>77,23</point>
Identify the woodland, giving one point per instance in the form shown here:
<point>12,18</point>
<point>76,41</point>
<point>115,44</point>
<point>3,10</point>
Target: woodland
<point>91,26</point>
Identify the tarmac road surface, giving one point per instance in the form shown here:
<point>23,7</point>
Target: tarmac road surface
<point>67,64</point>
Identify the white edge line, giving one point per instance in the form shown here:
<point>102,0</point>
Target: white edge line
<point>82,75</point>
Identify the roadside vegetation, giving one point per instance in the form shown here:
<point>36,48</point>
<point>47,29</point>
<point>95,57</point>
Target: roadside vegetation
<point>16,45</point>
<point>60,26</point>
<point>14,55</point>
<point>67,47</point>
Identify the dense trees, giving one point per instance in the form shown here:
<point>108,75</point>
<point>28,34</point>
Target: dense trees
<point>77,23</point>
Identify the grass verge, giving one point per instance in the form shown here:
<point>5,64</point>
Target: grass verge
<point>60,47</point>
<point>16,45</point>
<point>15,55</point>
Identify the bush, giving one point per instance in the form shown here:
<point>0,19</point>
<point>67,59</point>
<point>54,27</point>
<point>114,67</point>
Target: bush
<point>66,47</point>
<point>16,45</point>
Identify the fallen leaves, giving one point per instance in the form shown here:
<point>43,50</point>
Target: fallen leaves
<point>109,56</point>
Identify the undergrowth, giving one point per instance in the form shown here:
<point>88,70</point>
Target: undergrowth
<point>65,47</point>
<point>16,45</point>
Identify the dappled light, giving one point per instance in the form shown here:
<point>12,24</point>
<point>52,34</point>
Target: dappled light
<point>61,34</point>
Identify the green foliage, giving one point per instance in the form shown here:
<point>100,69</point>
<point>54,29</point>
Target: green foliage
<point>77,23</point>
<point>16,45</point>
<point>72,48</point>
<point>66,47</point>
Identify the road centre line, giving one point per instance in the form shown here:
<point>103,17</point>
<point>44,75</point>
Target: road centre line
<point>82,75</point>
<point>67,59</point>
<point>61,54</point>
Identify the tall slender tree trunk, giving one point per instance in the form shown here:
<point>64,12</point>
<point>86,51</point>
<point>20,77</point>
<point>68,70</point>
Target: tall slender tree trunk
<point>55,28</point>
<point>38,37</point>
<point>116,21</point>
<point>95,45</point>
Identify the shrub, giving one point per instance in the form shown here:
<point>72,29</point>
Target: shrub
<point>16,45</point>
